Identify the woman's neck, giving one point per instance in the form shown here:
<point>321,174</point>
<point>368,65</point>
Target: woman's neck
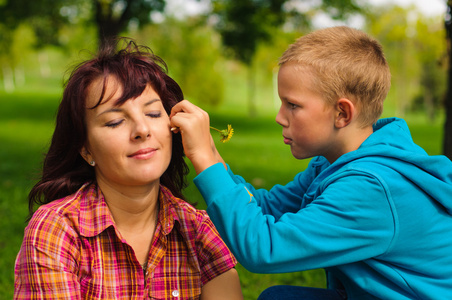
<point>135,212</point>
<point>133,208</point>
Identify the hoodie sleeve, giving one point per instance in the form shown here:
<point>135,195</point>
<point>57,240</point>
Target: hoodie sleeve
<point>351,219</point>
<point>279,200</point>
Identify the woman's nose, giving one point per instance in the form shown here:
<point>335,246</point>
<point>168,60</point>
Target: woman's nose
<point>141,129</point>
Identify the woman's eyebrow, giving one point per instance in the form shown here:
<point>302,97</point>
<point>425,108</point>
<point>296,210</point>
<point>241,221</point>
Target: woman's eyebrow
<point>114,109</point>
<point>152,101</point>
<point>119,109</point>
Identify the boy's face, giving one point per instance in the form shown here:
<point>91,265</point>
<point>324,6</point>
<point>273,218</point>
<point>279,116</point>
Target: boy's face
<point>308,123</point>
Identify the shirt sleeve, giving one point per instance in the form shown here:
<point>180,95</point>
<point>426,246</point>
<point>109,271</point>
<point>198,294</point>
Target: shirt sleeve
<point>214,256</point>
<point>350,219</point>
<point>46,266</point>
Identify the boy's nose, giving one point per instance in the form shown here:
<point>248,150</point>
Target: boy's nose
<point>280,119</point>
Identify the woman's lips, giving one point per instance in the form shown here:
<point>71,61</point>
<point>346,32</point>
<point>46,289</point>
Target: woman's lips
<point>143,153</point>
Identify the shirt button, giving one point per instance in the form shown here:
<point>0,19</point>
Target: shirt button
<point>175,293</point>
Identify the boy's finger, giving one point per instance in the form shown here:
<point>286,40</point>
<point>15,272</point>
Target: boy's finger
<point>182,121</point>
<point>182,106</point>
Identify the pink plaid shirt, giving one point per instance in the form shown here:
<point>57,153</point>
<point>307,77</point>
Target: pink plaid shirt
<point>73,250</point>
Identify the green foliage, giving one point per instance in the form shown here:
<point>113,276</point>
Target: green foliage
<point>43,16</point>
<point>431,55</point>
<point>415,49</point>
<point>192,52</point>
<point>46,17</point>
<point>113,16</point>
<point>340,9</point>
<point>244,23</point>
<point>26,121</point>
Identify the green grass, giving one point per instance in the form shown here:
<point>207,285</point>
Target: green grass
<point>256,152</point>
<point>26,122</point>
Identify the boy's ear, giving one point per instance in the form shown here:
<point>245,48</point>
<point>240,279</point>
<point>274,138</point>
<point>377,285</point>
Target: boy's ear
<point>345,112</point>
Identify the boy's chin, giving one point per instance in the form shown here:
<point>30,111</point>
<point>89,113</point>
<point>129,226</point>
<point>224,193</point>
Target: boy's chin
<point>298,155</point>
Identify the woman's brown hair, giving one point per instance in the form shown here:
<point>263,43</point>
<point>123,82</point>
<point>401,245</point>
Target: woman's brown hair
<point>134,67</point>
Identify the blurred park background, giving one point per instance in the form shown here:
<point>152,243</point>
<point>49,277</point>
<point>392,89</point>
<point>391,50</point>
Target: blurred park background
<point>224,55</point>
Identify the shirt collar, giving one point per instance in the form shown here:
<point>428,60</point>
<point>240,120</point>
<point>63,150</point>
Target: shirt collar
<point>95,216</point>
<point>167,214</point>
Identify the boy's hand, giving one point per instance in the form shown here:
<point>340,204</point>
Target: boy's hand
<point>194,125</point>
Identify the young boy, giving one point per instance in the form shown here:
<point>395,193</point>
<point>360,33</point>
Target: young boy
<point>372,208</point>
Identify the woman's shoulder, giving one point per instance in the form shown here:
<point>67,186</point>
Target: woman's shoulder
<point>65,204</point>
<point>61,212</point>
<point>188,210</point>
<point>183,211</point>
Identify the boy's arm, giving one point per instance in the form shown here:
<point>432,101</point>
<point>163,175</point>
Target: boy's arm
<point>277,201</point>
<point>337,227</point>
<point>194,125</point>
<point>286,198</point>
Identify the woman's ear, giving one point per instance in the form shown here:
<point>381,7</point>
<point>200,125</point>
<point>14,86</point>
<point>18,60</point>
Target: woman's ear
<point>345,112</point>
<point>84,152</point>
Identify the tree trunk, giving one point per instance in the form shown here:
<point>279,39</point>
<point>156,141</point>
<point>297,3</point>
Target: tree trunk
<point>108,23</point>
<point>447,141</point>
<point>106,34</point>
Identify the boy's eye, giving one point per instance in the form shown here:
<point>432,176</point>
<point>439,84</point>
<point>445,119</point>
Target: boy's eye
<point>291,105</point>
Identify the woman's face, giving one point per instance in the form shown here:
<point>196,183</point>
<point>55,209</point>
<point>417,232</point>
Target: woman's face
<point>130,144</point>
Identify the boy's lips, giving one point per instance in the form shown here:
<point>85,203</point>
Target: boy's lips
<point>287,141</point>
<point>143,153</point>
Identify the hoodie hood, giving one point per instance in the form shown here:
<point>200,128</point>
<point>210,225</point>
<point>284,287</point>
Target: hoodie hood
<point>391,144</point>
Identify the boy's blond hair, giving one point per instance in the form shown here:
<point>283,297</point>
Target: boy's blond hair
<point>345,63</point>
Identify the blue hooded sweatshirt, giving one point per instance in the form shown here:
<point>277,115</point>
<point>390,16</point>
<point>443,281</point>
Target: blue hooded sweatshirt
<point>378,219</point>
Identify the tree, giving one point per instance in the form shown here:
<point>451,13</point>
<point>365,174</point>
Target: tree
<point>413,46</point>
<point>430,55</point>
<point>243,24</point>
<point>43,16</point>
<point>389,24</point>
<point>447,142</point>
<point>48,16</point>
<point>113,16</point>
<point>192,51</point>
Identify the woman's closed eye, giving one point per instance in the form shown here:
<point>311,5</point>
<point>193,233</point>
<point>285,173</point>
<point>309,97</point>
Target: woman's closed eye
<point>154,114</point>
<point>113,124</point>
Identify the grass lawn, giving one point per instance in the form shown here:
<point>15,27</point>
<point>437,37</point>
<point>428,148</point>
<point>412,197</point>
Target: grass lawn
<point>26,122</point>
<point>256,152</point>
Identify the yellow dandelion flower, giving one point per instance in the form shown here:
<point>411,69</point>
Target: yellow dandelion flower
<point>225,134</point>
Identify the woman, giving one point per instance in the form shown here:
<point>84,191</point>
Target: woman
<point>112,224</point>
